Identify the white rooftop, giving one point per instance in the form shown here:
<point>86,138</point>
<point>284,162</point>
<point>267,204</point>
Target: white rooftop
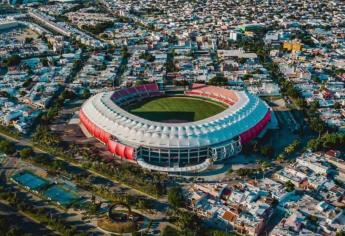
<point>136,131</point>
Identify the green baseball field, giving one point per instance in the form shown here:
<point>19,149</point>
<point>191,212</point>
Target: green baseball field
<point>176,109</point>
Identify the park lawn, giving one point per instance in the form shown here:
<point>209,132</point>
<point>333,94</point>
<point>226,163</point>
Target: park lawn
<point>176,109</point>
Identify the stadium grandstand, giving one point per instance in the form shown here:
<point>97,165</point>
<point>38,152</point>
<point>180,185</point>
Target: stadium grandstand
<point>174,147</point>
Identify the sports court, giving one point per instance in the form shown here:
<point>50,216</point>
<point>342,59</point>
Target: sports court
<point>62,196</point>
<point>30,181</point>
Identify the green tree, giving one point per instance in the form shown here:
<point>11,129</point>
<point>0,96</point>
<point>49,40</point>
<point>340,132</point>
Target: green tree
<point>292,147</point>
<point>188,222</point>
<point>44,61</point>
<point>13,60</point>
<point>140,82</point>
<point>67,94</point>
<point>247,76</point>
<point>4,94</point>
<point>93,208</point>
<point>280,157</point>
<point>175,197</point>
<point>43,136</point>
<point>327,141</point>
<point>147,56</point>
<point>27,82</point>
<point>169,231</point>
<point>265,165</point>
<point>289,186</point>
<point>340,233</point>
<point>221,233</point>
<point>124,52</point>
<point>170,66</point>
<point>337,105</point>
<point>144,204</point>
<point>243,172</point>
<point>28,40</point>
<point>314,105</point>
<point>7,147</point>
<point>58,165</point>
<point>317,125</point>
<point>77,65</point>
<point>292,92</point>
<point>26,152</point>
<point>301,103</point>
<point>173,39</point>
<point>267,151</point>
<point>85,93</point>
<point>52,112</point>
<point>218,80</point>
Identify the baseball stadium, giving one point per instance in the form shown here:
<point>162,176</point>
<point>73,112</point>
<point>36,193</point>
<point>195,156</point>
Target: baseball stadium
<point>174,133</point>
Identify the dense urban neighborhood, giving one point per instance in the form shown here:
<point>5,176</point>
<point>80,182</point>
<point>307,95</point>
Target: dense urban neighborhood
<point>172,118</point>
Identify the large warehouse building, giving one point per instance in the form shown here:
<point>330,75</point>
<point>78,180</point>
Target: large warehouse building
<point>174,147</point>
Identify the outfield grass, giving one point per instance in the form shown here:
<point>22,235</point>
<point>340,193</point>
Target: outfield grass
<point>176,109</point>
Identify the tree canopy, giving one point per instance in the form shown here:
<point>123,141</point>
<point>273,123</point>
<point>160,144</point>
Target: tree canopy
<point>218,80</point>
<point>26,152</point>
<point>13,60</point>
<point>327,141</point>
<point>175,197</point>
<point>289,186</point>
<point>7,147</point>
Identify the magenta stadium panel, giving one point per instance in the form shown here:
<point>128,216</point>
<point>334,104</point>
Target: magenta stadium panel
<point>174,147</point>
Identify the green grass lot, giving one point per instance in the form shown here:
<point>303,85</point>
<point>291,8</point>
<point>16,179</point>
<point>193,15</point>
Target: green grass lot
<point>176,109</point>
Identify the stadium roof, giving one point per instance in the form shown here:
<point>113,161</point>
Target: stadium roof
<point>132,130</point>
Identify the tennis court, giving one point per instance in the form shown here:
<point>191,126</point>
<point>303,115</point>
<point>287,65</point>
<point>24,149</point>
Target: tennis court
<point>61,195</point>
<point>30,181</point>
